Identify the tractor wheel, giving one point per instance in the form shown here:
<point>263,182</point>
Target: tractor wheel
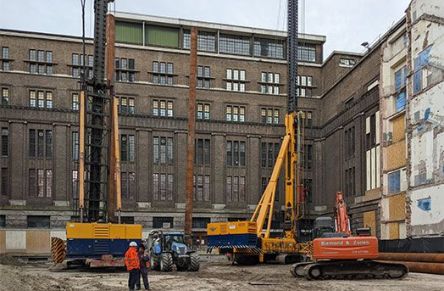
<point>194,262</point>
<point>166,262</point>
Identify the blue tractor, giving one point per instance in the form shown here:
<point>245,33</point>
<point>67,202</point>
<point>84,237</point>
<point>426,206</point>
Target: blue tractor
<point>168,249</point>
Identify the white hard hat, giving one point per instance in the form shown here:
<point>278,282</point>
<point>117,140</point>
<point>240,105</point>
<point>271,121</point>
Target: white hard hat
<point>133,244</point>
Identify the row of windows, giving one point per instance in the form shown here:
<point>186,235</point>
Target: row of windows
<point>40,62</point>
<point>163,74</point>
<point>40,143</point>
<point>40,183</point>
<point>43,221</point>
<point>160,107</point>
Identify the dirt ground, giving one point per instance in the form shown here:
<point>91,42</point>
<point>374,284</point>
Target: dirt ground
<point>215,274</point>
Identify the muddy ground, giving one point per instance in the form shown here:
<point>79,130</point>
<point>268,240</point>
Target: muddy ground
<point>215,274</point>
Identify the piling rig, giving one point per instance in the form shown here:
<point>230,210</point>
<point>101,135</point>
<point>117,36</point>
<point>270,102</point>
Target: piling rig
<point>96,237</point>
<point>250,242</point>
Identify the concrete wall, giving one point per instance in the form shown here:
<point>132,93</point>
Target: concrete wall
<point>27,242</point>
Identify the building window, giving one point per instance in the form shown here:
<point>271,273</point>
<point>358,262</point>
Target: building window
<point>270,48</point>
<point>203,111</point>
<point>349,136</point>
<point>40,183</point>
<point>4,185</point>
<point>348,63</point>
<point>308,156</point>
<point>372,148</point>
<point>127,148</point>
<point>206,41</point>
<point>162,150</point>
<point>5,60</point>
<point>306,53</point>
<point>75,101</point>
<point>5,142</point>
<point>235,80</point>
<point>304,86</point>
<point>234,44</point>
<point>270,83</point>
<point>125,70</point>
<point>235,113</point>
<point>40,62</point>
<point>163,73</point>
<point>126,105</point>
<point>75,145</point>
<point>349,184</point>
<point>400,87</point>
<point>202,156</point>
<point>201,222</point>
<point>5,96</point>
<point>40,143</point>
<point>2,221</point>
<point>77,65</point>
<point>40,99</point>
<point>235,189</point>
<point>236,153</point>
<point>203,77</point>
<point>163,187</point>
<point>269,153</point>
<point>308,119</point>
<point>421,74</point>
<point>394,182</point>
<point>201,184</point>
<point>163,222</point>
<point>163,108</point>
<point>128,184</point>
<point>308,190</point>
<point>270,115</point>
<point>35,221</point>
<point>75,184</point>
<point>48,143</point>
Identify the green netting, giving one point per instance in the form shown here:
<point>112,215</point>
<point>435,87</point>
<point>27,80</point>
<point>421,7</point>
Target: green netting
<point>129,32</point>
<point>162,36</point>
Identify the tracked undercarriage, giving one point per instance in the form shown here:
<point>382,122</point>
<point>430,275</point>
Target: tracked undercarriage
<point>348,269</point>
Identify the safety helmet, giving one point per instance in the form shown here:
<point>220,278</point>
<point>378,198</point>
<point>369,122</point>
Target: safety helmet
<point>133,244</point>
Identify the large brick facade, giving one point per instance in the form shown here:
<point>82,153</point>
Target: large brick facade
<point>343,94</point>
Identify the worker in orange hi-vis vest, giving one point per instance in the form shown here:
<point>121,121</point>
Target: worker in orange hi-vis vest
<point>132,265</point>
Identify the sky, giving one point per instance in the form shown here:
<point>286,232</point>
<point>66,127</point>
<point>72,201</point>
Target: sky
<point>346,23</point>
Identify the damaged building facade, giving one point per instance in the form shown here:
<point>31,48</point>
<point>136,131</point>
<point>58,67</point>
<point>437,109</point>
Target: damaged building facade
<point>412,108</point>
<point>425,20</point>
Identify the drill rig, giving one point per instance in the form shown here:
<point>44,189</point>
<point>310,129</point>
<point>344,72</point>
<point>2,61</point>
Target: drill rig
<point>250,242</point>
<point>93,240</point>
<point>339,255</point>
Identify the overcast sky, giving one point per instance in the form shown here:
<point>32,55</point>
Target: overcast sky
<point>346,23</point>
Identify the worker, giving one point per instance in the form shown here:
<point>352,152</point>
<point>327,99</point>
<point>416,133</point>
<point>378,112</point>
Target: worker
<point>132,264</point>
<point>157,248</point>
<point>144,260</point>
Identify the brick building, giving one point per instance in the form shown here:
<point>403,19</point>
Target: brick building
<point>241,104</point>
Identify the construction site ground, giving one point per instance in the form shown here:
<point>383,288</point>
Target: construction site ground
<point>216,273</point>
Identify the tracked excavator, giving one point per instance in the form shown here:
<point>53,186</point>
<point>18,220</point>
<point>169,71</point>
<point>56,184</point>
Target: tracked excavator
<point>337,254</point>
<point>251,242</point>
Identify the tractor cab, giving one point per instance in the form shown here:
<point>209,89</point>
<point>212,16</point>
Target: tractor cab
<point>168,249</point>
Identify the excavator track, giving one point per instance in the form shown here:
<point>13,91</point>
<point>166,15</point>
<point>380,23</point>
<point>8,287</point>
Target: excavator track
<point>366,269</point>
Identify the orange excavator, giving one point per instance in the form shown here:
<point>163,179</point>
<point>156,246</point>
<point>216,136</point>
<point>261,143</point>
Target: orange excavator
<point>337,254</point>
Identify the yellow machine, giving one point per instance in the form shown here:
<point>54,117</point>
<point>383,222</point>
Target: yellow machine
<point>250,241</point>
